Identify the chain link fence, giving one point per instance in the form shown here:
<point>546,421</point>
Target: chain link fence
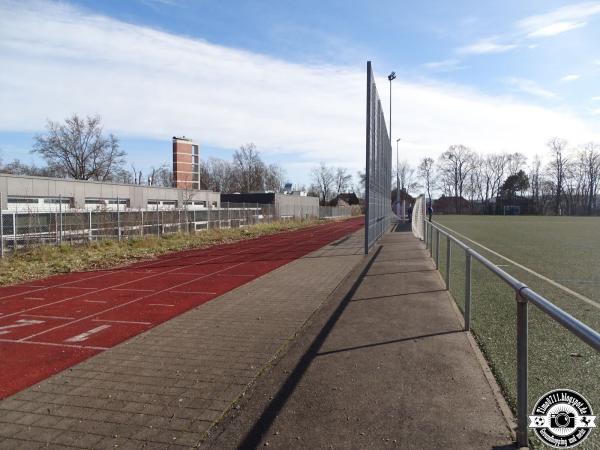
<point>29,227</point>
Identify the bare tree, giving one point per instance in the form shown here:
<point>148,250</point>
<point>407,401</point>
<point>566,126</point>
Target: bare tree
<point>535,183</point>
<point>342,180</point>
<point>454,166</point>
<point>80,149</point>
<point>273,177</point>
<point>589,160</point>
<point>557,169</point>
<point>249,169</point>
<point>515,162</point>
<point>16,167</point>
<point>406,175</point>
<point>426,172</point>
<point>161,176</point>
<point>323,179</point>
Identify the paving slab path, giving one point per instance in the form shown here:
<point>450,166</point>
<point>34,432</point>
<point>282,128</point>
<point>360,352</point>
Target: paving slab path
<point>385,364</point>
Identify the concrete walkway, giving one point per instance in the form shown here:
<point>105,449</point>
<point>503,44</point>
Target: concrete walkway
<point>385,364</point>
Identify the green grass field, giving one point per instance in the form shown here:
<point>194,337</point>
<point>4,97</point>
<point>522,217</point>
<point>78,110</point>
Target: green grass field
<point>563,249</point>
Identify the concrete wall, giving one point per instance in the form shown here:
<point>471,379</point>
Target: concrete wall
<point>297,206</point>
<point>285,205</point>
<point>17,185</point>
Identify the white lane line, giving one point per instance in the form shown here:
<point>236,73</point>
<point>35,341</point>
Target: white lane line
<point>133,290</point>
<point>191,292</point>
<point>83,336</point>
<point>78,287</point>
<point>122,321</point>
<point>159,304</point>
<point>527,269</point>
<point>52,344</point>
<point>19,323</point>
<point>94,301</point>
<point>40,316</point>
<point>34,298</point>
<point>235,275</point>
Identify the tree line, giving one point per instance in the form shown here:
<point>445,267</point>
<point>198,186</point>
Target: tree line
<point>567,184</point>
<point>79,149</point>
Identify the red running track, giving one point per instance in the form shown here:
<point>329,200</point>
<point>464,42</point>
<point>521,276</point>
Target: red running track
<point>49,325</point>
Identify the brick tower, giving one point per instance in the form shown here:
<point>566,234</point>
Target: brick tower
<point>186,163</point>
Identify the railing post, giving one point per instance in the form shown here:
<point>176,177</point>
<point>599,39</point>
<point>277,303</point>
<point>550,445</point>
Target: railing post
<point>437,249</point>
<point>142,227</point>
<point>522,360</point>
<point>467,290</point>
<point>90,225</point>
<point>448,263</point>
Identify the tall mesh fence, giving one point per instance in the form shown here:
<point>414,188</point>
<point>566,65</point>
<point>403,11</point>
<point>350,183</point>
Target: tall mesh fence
<point>378,180</point>
<point>22,228</point>
<point>418,218</point>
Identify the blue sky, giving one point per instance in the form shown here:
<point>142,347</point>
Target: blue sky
<point>289,75</point>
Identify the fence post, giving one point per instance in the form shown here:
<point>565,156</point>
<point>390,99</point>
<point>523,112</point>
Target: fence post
<point>467,290</point>
<point>118,220</point>
<point>157,220</point>
<point>1,229</point>
<point>90,225</point>
<point>448,263</point>
<point>209,203</point>
<point>14,232</point>
<point>437,249</point>
<point>522,360</point>
<point>142,228</point>
<point>61,218</point>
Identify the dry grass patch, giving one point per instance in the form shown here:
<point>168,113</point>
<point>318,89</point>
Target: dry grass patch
<point>43,261</point>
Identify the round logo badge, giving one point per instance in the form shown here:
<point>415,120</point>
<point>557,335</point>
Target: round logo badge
<point>562,418</point>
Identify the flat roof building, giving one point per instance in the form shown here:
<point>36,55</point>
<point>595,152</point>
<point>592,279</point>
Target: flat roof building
<point>18,192</point>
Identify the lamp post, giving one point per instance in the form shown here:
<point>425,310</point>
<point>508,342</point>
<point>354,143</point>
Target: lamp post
<point>397,180</point>
<point>392,76</point>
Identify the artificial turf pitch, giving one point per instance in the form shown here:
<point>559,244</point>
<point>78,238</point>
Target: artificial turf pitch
<point>563,249</point>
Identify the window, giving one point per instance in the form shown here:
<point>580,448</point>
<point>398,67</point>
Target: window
<point>21,200</point>
<point>56,201</point>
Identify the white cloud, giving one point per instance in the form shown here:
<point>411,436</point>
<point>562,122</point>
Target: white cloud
<point>445,65</point>
<point>549,24</point>
<point>555,29</point>
<point>485,46</point>
<point>530,87</point>
<point>596,99</point>
<point>559,20</point>
<point>570,77</point>
<point>58,59</point>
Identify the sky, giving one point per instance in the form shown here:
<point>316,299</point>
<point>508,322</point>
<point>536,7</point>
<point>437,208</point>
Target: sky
<point>289,76</point>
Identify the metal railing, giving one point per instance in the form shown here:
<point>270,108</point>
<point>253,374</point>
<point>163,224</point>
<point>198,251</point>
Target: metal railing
<point>523,295</point>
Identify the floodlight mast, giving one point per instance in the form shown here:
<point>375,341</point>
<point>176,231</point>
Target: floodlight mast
<point>392,76</point>
<point>397,179</point>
